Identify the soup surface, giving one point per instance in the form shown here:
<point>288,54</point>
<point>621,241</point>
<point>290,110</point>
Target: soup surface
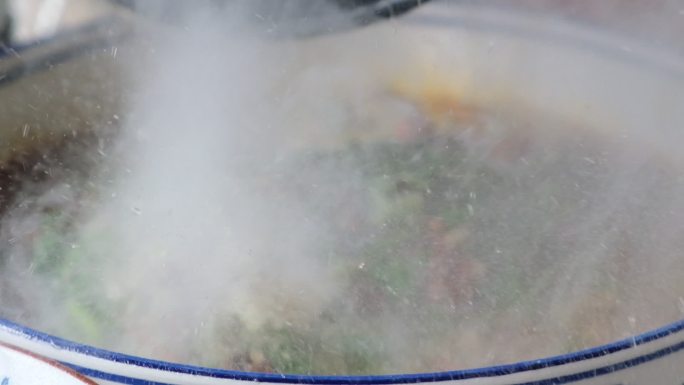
<point>441,241</point>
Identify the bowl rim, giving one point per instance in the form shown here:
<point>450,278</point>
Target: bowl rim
<point>452,375</point>
<point>635,54</point>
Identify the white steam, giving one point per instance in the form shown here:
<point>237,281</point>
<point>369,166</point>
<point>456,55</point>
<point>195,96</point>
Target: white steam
<point>196,214</point>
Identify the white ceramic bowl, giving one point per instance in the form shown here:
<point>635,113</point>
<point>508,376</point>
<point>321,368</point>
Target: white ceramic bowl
<point>571,71</point>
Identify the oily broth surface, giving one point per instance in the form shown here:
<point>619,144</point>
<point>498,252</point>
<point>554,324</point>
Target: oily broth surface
<point>446,243</point>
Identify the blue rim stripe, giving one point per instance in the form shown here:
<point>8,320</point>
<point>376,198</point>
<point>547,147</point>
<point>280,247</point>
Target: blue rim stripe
<point>491,371</point>
<point>112,377</point>
<point>598,372</point>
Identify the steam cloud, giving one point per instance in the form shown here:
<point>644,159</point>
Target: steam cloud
<point>203,218</point>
